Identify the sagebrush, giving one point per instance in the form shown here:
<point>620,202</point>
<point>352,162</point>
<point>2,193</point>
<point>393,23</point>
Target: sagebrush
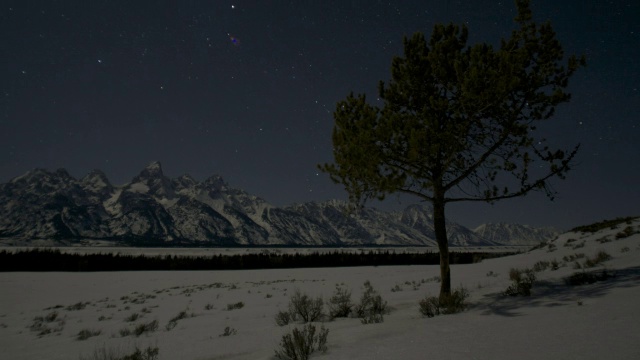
<point>371,308</point>
<point>582,278</point>
<point>449,304</point>
<point>104,353</point>
<point>340,304</point>
<point>87,333</point>
<point>522,282</point>
<point>300,344</point>
<point>304,307</point>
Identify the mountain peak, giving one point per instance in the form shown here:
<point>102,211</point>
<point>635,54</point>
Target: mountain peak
<point>184,182</point>
<point>187,178</point>
<point>31,174</point>
<point>155,167</point>
<point>96,173</point>
<point>63,173</point>
<point>151,171</point>
<point>153,181</point>
<point>96,180</point>
<point>39,176</point>
<point>216,182</point>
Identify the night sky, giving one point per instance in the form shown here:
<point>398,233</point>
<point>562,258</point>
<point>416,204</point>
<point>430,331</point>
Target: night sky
<point>246,90</point>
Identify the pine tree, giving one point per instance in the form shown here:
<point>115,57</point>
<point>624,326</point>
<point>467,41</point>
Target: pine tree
<point>457,122</point>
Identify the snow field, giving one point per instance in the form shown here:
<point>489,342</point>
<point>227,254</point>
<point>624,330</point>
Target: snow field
<point>593,321</point>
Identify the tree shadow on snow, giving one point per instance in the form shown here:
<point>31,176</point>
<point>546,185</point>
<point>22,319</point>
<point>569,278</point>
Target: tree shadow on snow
<point>558,293</point>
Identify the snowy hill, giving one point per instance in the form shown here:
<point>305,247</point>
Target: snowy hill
<point>153,209</point>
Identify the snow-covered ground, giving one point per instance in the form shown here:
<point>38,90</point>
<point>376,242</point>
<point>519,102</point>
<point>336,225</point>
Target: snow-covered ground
<point>596,321</point>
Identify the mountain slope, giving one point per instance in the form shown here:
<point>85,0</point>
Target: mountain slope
<point>514,234</point>
<point>153,209</point>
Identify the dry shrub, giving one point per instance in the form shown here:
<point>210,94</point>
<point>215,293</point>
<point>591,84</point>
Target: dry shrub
<point>299,344</point>
<point>303,306</point>
<point>450,304</point>
<point>371,308</point>
<point>522,282</point>
<point>340,304</point>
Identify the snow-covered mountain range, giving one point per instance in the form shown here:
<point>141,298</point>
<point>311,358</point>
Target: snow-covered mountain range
<point>513,234</point>
<point>156,210</point>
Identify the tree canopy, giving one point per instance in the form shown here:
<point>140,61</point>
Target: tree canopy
<point>458,121</point>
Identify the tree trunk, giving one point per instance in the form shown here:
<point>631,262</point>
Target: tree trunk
<point>440,227</point>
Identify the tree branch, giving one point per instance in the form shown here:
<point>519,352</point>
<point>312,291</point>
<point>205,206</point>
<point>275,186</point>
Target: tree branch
<point>538,184</point>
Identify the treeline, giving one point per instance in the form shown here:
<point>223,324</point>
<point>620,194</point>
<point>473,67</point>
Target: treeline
<point>55,260</point>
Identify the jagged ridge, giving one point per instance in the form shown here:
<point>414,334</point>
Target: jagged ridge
<point>154,209</point>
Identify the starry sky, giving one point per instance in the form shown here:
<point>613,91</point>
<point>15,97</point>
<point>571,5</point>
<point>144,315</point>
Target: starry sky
<point>246,90</point>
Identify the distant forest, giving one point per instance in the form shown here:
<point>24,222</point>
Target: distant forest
<point>54,260</point>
